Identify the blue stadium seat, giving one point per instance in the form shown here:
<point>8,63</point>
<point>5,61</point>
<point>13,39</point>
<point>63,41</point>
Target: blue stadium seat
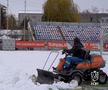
<point>85,31</point>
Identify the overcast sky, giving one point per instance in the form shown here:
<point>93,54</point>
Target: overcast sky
<point>16,6</point>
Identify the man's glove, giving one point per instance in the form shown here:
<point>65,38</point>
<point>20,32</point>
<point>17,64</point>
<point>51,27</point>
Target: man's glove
<point>64,50</point>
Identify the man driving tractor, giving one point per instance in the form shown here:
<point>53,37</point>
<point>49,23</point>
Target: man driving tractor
<point>73,56</point>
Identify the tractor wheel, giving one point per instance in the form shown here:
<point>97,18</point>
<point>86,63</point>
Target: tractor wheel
<point>102,78</point>
<point>78,78</point>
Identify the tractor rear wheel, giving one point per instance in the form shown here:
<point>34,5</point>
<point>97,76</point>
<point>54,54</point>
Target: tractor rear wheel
<point>77,77</point>
<point>102,78</point>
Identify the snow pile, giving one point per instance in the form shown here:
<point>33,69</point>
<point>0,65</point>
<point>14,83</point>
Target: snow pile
<point>11,79</point>
<point>17,68</point>
<point>59,86</point>
<point>69,86</point>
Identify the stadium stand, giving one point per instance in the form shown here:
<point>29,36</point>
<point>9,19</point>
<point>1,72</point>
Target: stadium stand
<point>52,36</point>
<point>67,31</point>
<point>47,32</point>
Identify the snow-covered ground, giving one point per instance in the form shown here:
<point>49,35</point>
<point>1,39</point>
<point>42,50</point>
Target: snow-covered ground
<point>17,67</point>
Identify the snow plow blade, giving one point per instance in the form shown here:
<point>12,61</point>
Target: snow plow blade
<point>45,77</point>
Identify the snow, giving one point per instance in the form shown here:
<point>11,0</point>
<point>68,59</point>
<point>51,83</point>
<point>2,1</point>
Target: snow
<point>17,67</point>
